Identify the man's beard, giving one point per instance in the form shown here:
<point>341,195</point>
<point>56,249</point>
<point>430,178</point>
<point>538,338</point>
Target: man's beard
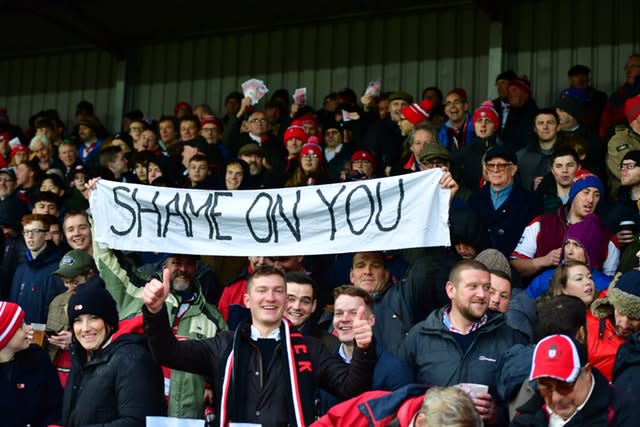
<point>180,285</point>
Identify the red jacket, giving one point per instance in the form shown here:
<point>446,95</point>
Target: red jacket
<point>376,408</point>
<point>602,343</point>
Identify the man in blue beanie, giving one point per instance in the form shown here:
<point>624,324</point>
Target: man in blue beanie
<point>540,246</point>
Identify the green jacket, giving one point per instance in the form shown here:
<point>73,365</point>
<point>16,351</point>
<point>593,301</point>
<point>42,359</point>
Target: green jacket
<point>201,320</point>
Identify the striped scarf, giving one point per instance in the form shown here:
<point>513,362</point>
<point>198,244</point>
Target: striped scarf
<point>299,376</point>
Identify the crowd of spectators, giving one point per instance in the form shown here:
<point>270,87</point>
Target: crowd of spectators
<point>533,312</point>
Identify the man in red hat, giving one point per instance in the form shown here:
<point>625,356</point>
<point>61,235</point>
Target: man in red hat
<point>626,138</point>
<point>571,392</point>
<point>614,112</point>
<point>517,130</point>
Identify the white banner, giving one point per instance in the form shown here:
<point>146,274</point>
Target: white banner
<point>380,214</point>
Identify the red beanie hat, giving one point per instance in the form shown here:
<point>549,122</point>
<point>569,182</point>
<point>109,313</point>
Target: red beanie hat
<point>307,119</point>
<point>486,110</point>
<point>182,105</point>
<point>522,82</point>
<point>213,120</point>
<point>11,317</point>
<point>363,155</point>
<point>416,113</point>
<point>312,149</point>
<point>632,108</point>
<point>18,149</point>
<point>295,132</point>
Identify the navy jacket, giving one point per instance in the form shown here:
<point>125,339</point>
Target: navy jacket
<point>506,224</point>
<point>30,389</point>
<point>626,369</point>
<point>606,407</point>
<point>33,286</point>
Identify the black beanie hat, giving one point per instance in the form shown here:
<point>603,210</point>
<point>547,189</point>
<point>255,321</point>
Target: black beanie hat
<point>93,299</point>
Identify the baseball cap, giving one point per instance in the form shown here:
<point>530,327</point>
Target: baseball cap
<point>557,357</point>
<point>251,148</point>
<point>9,172</point>
<point>74,263</point>
<point>502,152</point>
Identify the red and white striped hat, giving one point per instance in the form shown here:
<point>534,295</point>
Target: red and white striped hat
<point>11,317</point>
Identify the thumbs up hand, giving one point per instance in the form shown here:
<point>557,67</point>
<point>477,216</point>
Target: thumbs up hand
<point>155,292</point>
<point>363,328</point>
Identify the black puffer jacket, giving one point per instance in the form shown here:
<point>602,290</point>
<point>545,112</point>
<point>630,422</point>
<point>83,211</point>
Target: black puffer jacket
<point>119,387</point>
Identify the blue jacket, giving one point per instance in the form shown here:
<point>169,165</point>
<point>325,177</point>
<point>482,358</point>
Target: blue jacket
<point>506,224</point>
<point>30,389</point>
<point>446,140</point>
<point>33,286</point>
<point>542,282</point>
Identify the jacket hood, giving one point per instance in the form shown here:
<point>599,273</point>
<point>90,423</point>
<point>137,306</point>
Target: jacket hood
<point>627,303</point>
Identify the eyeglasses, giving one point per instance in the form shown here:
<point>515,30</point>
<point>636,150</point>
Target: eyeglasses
<point>33,231</point>
<point>310,156</point>
<point>7,180</point>
<point>497,166</point>
<point>559,387</point>
<point>136,128</point>
<point>628,166</point>
<point>258,121</point>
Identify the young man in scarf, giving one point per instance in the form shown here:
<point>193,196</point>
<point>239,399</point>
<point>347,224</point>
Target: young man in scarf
<point>248,366</point>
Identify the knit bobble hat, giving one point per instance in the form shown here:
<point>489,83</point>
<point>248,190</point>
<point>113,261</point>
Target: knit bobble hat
<point>416,113</point>
<point>11,317</point>
<point>486,110</point>
<point>93,299</point>
<point>297,132</point>
<point>312,149</point>
<point>584,179</point>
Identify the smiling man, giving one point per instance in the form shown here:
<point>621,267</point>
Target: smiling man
<point>504,207</point>
<point>77,231</point>
<point>397,304</point>
<point>301,305</point>
<point>265,372</point>
<point>463,342</point>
